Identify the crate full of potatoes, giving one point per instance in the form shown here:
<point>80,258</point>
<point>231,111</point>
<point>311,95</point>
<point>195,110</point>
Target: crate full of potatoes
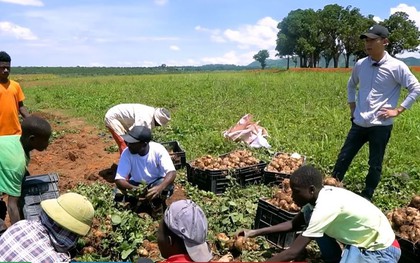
<point>214,173</point>
<point>281,166</point>
<point>406,224</point>
<point>275,210</point>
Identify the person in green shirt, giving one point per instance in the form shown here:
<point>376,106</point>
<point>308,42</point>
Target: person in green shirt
<point>14,157</point>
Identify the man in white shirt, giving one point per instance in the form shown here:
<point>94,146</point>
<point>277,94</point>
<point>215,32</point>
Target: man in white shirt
<point>122,117</point>
<point>379,78</point>
<point>144,161</point>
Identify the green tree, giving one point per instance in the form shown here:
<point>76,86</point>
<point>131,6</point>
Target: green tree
<point>261,57</point>
<point>404,34</point>
<point>330,19</point>
<point>299,35</point>
<point>353,24</point>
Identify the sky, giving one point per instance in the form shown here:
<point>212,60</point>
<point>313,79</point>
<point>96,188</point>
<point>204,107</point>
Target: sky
<point>149,33</point>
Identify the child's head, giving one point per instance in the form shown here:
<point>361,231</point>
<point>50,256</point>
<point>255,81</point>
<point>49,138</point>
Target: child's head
<point>36,133</point>
<point>305,183</point>
<point>4,57</point>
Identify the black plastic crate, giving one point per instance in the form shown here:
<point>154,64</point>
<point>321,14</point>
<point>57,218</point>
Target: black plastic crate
<point>177,154</point>
<point>269,215</point>
<point>276,178</point>
<point>216,181</point>
<point>31,212</point>
<point>410,252</point>
<point>35,189</point>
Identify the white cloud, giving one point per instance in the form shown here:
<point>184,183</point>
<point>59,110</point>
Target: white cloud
<point>262,35</point>
<point>230,57</point>
<point>174,48</point>
<point>10,29</point>
<point>161,2</point>
<point>377,19</point>
<point>24,2</point>
<point>248,38</point>
<point>411,11</point>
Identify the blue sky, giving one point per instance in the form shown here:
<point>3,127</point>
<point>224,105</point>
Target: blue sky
<point>154,32</point>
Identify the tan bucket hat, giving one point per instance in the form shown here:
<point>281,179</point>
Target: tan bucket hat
<point>71,211</point>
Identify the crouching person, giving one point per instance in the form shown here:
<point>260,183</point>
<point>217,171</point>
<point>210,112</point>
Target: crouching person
<point>49,239</point>
<point>336,214</point>
<point>146,162</point>
<point>182,233</point>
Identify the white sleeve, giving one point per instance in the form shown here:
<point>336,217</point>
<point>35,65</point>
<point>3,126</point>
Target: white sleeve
<point>166,161</point>
<point>352,84</point>
<point>124,166</point>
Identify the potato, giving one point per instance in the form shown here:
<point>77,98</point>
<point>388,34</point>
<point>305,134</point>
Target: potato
<point>415,201</point>
<point>239,243</point>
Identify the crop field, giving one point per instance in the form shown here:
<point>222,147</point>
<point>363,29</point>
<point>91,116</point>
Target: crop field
<point>303,111</point>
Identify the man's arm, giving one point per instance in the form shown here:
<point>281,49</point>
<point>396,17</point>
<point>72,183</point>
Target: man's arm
<point>296,249</point>
<point>287,226</point>
<point>156,190</point>
<point>12,207</point>
<point>22,110</point>
<point>124,184</point>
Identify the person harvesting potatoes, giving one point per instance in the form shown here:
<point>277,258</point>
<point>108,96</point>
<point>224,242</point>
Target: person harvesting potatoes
<point>144,162</point>
<point>122,117</point>
<point>62,221</point>
<point>377,80</point>
<point>331,215</point>
<point>182,233</point>
<point>14,157</point>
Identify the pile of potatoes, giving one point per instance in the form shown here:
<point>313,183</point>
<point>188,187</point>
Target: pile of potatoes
<point>283,198</point>
<point>406,220</point>
<point>238,243</point>
<point>285,163</point>
<point>233,160</point>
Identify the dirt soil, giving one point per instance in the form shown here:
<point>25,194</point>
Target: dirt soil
<point>77,153</point>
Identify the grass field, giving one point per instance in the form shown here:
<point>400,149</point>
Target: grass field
<point>304,112</point>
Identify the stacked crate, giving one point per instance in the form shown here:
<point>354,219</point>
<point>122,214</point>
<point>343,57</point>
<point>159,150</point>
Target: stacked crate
<point>35,189</point>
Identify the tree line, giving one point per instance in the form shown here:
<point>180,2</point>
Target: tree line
<point>328,33</point>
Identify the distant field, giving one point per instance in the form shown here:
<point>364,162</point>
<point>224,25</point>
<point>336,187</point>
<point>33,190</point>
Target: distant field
<point>304,112</point>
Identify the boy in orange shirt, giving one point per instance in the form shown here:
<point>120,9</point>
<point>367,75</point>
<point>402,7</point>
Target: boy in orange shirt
<point>11,100</point>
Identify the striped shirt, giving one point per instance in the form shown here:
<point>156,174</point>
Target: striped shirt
<point>28,241</point>
<point>380,87</point>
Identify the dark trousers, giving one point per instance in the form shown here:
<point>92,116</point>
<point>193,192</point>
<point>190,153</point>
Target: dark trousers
<point>377,137</point>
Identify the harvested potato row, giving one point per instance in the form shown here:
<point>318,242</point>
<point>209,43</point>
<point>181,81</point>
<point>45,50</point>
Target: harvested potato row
<point>285,163</point>
<point>283,198</point>
<point>406,220</point>
<point>233,160</point>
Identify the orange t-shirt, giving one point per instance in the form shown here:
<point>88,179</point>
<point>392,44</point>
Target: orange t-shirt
<point>10,95</point>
